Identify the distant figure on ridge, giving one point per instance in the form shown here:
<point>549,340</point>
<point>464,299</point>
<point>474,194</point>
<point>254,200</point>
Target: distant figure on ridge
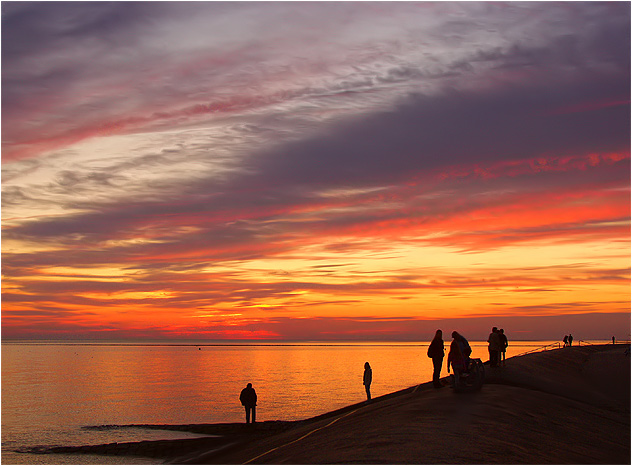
<point>456,360</point>
<point>248,398</point>
<point>504,344</point>
<point>436,351</point>
<point>367,379</point>
<point>494,347</point>
<point>565,340</point>
<point>570,340</point>
<point>613,340</point>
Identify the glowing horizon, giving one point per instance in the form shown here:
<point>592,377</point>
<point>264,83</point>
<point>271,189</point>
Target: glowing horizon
<point>315,170</point>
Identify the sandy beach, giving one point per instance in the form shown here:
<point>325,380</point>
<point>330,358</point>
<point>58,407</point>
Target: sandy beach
<point>566,406</point>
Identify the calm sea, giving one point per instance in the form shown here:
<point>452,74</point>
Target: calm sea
<point>51,390</point>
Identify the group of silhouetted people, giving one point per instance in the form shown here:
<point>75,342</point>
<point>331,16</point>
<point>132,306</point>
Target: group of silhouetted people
<point>460,351</point>
<point>458,356</point>
<point>458,361</point>
<point>568,340</point>
<point>497,347</point>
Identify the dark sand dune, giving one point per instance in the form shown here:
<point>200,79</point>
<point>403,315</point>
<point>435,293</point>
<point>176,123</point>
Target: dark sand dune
<point>568,406</point>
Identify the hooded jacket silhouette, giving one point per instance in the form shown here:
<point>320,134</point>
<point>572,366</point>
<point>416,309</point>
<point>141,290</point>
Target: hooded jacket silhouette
<point>248,396</point>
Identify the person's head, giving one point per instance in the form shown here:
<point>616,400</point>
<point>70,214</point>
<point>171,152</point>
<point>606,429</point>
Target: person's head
<point>502,330</point>
<point>494,329</point>
<point>367,365</point>
<point>438,334</point>
<point>249,385</point>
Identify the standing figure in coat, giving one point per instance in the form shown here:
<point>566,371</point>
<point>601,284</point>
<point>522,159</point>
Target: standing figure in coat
<point>456,360</point>
<point>248,398</point>
<point>464,346</point>
<point>367,379</point>
<point>436,351</point>
<point>504,344</point>
<point>494,347</point>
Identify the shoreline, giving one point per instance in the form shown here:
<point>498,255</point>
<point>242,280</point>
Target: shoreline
<point>567,376</point>
<point>219,437</point>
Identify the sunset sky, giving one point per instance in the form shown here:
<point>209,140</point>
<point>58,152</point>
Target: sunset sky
<point>320,171</point>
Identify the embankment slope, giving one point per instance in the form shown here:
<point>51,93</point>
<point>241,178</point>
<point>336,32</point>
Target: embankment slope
<point>567,406</point>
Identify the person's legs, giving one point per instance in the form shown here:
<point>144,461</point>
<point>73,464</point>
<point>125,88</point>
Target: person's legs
<point>254,414</point>
<point>368,392</point>
<point>247,414</point>
<point>436,374</point>
<point>456,376</point>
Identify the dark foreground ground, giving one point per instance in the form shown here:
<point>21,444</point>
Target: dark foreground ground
<point>567,406</point>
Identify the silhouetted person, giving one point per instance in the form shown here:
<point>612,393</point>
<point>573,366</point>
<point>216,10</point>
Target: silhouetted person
<point>504,344</point>
<point>456,360</point>
<point>494,347</point>
<point>464,346</point>
<point>565,340</point>
<point>367,378</point>
<point>436,351</point>
<point>248,398</point>
<point>570,340</point>
<point>613,340</point>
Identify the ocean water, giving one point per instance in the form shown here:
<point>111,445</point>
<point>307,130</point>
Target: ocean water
<point>52,390</point>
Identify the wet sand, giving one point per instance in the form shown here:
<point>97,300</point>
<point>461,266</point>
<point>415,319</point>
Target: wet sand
<point>567,406</point>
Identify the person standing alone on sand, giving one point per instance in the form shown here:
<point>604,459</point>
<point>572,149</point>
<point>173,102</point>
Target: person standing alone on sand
<point>436,352</point>
<point>367,379</point>
<point>248,398</point>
